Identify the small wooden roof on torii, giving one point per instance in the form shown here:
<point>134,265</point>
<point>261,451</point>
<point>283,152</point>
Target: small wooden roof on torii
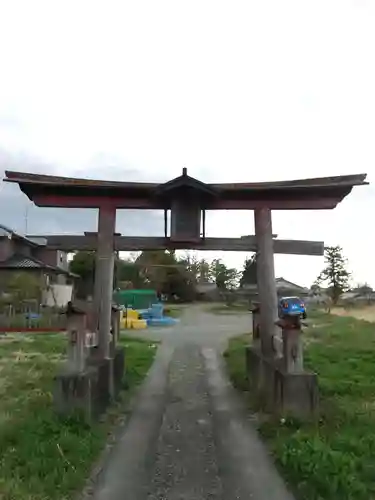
<point>317,193</point>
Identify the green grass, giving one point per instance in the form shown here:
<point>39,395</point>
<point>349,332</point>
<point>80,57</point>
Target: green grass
<point>43,457</point>
<point>333,457</point>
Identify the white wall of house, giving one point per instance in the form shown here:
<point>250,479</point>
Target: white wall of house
<point>57,295</point>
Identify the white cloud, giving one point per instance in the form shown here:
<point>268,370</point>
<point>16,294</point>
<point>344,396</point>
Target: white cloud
<point>239,91</point>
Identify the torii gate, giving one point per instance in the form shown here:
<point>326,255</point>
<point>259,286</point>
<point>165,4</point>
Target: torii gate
<point>187,199</point>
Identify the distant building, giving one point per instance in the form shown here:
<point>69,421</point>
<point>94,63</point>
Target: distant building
<point>283,287</point>
<point>207,291</point>
<point>22,254</point>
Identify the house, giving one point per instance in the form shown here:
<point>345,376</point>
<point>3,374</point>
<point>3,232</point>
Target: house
<point>283,287</point>
<point>358,296</point>
<point>22,254</point>
<point>207,291</point>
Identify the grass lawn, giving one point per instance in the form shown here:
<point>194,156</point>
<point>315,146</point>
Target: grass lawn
<point>41,456</point>
<point>333,458</point>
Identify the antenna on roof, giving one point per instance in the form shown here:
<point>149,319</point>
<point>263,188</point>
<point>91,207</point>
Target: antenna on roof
<point>26,217</point>
<point>184,171</point>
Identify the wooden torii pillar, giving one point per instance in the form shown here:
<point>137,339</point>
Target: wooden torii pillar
<point>104,269</point>
<point>266,280</point>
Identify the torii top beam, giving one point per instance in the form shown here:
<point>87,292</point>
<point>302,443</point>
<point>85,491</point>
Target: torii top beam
<point>313,194</point>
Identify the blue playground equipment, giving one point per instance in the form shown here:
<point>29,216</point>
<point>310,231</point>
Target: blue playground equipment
<point>154,316</point>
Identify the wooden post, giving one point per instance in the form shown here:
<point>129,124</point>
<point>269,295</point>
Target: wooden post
<point>255,310</point>
<point>104,276</point>
<point>266,280</point>
<point>291,327</point>
<point>76,352</point>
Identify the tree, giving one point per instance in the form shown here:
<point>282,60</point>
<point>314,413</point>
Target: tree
<point>25,287</point>
<point>170,276</point>
<point>190,263</point>
<point>335,274</point>
<point>128,274</point>
<point>83,264</point>
<point>249,273</point>
<point>204,271</point>
<point>224,277</point>
<point>231,278</point>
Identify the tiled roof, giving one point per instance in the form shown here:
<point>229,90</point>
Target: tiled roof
<point>30,263</point>
<point>21,262</point>
<point>282,282</point>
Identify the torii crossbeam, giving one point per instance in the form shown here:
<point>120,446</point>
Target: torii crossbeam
<point>89,241</point>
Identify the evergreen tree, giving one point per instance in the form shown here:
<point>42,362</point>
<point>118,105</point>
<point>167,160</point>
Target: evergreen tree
<point>335,275</point>
<point>249,273</point>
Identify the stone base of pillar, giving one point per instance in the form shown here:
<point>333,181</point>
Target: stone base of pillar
<point>118,371</point>
<point>279,392</point>
<point>296,394</point>
<point>254,367</point>
<point>88,393</point>
<point>78,393</point>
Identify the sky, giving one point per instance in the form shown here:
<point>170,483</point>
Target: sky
<point>236,91</point>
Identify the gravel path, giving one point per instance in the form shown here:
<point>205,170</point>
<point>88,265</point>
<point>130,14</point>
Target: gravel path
<point>185,462</point>
<point>201,327</point>
<point>188,437</point>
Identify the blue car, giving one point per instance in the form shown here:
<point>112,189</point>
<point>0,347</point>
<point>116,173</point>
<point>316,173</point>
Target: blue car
<point>292,306</point>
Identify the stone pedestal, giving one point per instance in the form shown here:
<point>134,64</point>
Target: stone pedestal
<point>113,374</point>
<point>279,392</point>
<point>118,370</point>
<point>88,382</point>
<point>76,393</point>
<point>85,392</point>
<point>254,367</point>
<point>76,331</point>
<point>296,393</point>
<point>292,349</point>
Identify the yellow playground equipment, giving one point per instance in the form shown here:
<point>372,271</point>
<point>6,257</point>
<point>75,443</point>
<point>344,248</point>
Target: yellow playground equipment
<point>130,319</point>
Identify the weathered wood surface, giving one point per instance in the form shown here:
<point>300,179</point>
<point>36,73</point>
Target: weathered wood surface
<point>103,287</point>
<point>266,280</point>
<point>300,202</point>
<point>71,243</point>
<point>304,194</point>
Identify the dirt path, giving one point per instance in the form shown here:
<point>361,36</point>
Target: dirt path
<point>200,327</point>
<point>188,437</point>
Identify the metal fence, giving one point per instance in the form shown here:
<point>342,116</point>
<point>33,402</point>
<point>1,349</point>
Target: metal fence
<point>25,319</point>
